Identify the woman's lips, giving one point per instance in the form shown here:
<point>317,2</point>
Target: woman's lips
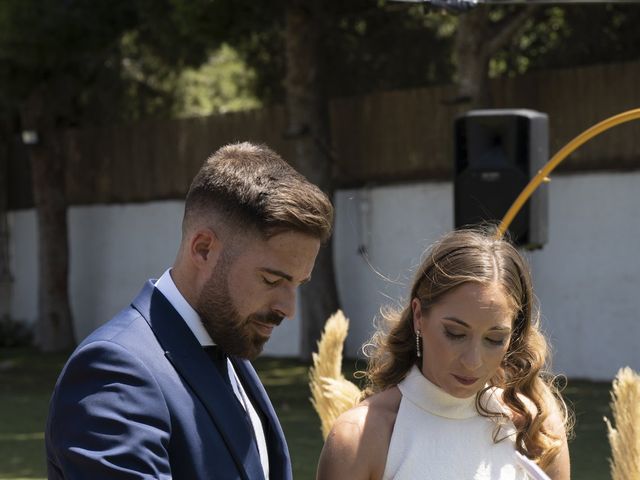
<point>465,380</point>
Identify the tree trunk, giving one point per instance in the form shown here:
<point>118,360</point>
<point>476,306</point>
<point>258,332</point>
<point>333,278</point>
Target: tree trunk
<point>308,128</point>
<point>472,58</point>
<point>477,40</point>
<point>5,271</point>
<point>54,328</point>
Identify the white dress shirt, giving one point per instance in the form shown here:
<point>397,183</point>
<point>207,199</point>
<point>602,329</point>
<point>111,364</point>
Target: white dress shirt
<point>168,288</point>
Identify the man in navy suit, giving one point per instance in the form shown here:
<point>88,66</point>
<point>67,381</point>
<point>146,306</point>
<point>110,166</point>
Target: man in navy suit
<point>166,389</point>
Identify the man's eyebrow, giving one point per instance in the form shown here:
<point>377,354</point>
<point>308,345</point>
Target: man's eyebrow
<point>286,276</point>
<point>465,324</point>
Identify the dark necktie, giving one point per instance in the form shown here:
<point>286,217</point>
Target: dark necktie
<point>219,359</point>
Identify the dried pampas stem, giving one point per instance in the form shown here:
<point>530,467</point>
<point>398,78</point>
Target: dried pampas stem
<point>625,437</point>
<point>331,393</point>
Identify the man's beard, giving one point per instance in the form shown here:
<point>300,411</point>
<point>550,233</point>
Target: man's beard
<point>235,335</point>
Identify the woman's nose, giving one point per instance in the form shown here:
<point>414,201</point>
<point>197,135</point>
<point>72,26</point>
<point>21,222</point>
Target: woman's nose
<point>472,358</point>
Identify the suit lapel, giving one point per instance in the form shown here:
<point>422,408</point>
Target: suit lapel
<point>191,362</point>
<point>279,461</point>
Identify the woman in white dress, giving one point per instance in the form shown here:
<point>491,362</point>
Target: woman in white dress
<point>456,383</point>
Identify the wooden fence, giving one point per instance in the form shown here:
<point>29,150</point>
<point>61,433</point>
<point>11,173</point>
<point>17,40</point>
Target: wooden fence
<point>380,138</point>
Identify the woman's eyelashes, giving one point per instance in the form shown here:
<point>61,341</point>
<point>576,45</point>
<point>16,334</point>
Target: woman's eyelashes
<point>497,342</point>
<point>452,335</point>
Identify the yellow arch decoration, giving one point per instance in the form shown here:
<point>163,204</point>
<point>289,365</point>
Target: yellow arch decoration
<point>564,152</point>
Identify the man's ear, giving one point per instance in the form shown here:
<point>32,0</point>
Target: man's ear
<point>205,248</point>
<point>416,314</point>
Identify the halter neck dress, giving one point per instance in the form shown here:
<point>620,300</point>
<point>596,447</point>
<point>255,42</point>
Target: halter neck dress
<point>440,437</point>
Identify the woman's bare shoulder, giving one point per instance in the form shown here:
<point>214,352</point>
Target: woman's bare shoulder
<point>373,416</point>
<point>385,403</point>
<point>357,445</point>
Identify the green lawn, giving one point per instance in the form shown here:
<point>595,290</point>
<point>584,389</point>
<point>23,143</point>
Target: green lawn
<point>27,378</point>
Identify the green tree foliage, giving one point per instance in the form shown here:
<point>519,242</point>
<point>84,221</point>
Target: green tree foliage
<point>224,83</point>
<point>118,59</point>
<point>593,34</point>
<point>382,45</point>
<point>136,58</point>
<point>563,36</point>
<point>386,47</point>
<point>367,46</point>
<point>78,62</point>
<point>74,41</point>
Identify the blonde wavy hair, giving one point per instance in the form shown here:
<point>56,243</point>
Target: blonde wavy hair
<point>478,256</point>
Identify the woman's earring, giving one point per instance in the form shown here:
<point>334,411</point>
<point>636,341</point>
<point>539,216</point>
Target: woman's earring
<point>418,344</point>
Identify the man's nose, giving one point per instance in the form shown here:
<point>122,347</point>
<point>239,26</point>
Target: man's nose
<point>285,305</point>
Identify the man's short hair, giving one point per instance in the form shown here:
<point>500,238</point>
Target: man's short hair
<point>251,187</point>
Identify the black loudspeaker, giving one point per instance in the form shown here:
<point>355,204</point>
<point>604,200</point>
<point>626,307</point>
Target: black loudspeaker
<point>497,153</point>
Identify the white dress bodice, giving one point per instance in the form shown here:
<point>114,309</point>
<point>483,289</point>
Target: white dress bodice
<point>440,437</point>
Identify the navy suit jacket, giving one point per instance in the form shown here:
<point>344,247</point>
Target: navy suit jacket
<point>139,398</point>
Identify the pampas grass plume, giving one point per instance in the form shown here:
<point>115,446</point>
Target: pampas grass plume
<point>331,393</point>
<point>625,437</point>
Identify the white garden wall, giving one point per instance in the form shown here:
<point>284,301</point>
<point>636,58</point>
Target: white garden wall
<point>587,277</point>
